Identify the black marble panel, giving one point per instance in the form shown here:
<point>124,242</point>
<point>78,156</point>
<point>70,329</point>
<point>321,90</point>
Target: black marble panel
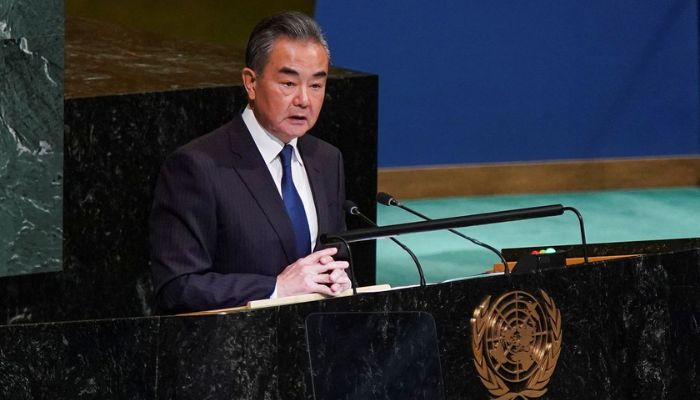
<point>112,359</point>
<point>629,329</point>
<point>384,355</point>
<point>206,357</point>
<point>31,136</point>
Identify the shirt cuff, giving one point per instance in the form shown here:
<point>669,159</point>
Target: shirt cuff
<point>274,293</point>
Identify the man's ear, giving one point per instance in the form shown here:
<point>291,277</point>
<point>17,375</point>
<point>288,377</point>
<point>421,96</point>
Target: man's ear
<point>249,80</point>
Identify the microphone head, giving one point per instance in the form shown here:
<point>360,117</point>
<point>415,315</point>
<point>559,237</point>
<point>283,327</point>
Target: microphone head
<point>350,207</point>
<point>386,199</point>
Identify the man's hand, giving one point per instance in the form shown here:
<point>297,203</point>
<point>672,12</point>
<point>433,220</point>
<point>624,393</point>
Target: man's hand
<point>315,273</point>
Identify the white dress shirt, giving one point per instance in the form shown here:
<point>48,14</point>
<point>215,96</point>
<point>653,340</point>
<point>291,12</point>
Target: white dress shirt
<point>270,148</point>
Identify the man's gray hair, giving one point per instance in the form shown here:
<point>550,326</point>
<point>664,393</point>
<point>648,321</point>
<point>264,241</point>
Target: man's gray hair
<point>290,24</point>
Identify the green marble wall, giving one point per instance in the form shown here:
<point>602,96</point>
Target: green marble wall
<point>31,136</point>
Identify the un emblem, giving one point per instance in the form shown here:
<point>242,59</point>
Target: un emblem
<point>516,342</point>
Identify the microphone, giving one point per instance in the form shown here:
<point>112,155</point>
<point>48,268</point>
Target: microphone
<point>351,208</point>
<point>389,200</point>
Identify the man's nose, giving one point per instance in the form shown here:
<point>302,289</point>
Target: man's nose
<point>302,97</point>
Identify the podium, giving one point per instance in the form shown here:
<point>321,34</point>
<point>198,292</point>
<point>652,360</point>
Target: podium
<point>627,329</point>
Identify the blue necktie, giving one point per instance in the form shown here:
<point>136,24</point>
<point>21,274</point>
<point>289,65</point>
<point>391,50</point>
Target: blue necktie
<point>295,208</point>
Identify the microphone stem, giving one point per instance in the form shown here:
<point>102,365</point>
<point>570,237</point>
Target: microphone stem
<point>403,246</point>
<point>353,281</point>
<point>583,232</point>
<point>412,211</point>
<point>415,260</point>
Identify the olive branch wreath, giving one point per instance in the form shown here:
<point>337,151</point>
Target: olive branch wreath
<point>536,385</point>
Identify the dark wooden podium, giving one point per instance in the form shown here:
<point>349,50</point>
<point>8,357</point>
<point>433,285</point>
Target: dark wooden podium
<point>628,328</point>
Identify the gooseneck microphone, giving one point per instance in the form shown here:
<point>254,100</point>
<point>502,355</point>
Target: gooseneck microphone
<point>351,208</point>
<point>389,200</point>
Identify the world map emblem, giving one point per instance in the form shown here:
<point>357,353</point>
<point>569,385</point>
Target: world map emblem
<point>516,341</point>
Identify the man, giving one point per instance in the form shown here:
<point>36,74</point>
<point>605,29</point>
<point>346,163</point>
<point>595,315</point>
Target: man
<point>237,212</point>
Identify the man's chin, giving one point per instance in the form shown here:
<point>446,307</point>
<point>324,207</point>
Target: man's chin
<point>287,136</point>
<point>296,131</point>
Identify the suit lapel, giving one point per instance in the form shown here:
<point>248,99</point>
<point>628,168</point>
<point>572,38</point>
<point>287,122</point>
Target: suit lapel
<point>255,175</point>
<point>318,189</point>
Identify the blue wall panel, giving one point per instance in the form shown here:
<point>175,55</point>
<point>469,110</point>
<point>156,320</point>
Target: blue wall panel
<point>475,82</point>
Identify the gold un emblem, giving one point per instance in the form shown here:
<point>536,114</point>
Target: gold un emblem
<point>516,342</point>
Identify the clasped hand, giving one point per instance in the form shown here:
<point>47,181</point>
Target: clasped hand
<point>316,273</point>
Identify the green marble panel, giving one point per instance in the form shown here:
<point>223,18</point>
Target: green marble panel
<point>31,136</point>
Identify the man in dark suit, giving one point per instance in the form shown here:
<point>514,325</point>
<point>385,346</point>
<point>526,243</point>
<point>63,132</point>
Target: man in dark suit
<point>237,212</point>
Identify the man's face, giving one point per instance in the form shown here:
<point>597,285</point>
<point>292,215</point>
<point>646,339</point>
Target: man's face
<point>288,95</point>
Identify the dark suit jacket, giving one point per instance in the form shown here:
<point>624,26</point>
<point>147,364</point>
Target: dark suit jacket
<point>219,231</point>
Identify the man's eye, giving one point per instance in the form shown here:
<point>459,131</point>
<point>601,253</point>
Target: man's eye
<point>316,86</point>
<point>288,84</point>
